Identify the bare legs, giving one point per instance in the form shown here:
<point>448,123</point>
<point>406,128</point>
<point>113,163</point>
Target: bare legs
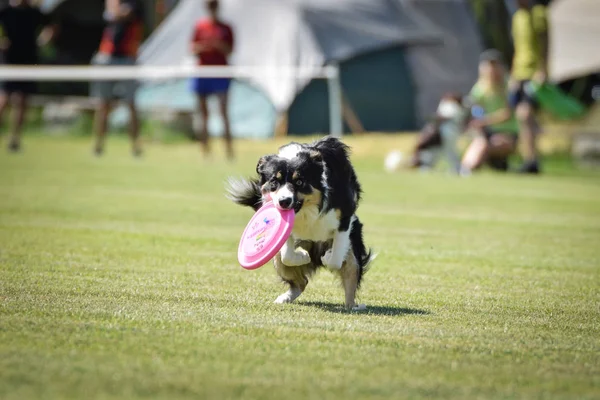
<point>20,104</point>
<point>101,127</point>
<point>4,100</point>
<point>475,154</point>
<point>223,109</point>
<point>202,133</point>
<point>527,126</point>
<point>481,149</point>
<point>134,129</point>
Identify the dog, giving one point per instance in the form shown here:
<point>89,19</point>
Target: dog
<point>319,183</point>
<point>440,137</point>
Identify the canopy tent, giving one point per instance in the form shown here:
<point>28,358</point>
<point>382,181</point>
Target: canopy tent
<point>433,43</point>
<point>574,36</point>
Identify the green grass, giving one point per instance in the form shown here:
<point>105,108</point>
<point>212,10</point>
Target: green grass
<point>118,279</point>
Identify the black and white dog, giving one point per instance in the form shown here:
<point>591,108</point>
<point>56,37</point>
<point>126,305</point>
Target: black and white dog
<point>318,182</point>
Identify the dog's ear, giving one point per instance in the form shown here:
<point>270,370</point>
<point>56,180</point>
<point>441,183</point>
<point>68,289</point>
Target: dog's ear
<point>262,161</point>
<point>315,155</point>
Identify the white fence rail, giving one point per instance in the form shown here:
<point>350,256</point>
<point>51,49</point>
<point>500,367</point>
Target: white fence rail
<point>162,73</point>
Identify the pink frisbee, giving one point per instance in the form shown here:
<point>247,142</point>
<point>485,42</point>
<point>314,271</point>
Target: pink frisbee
<point>264,235</point>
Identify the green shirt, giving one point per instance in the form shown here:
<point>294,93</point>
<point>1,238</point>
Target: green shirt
<point>492,101</point>
<point>527,25</point>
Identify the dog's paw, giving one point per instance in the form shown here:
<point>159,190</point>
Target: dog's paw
<point>287,297</point>
<point>329,262</point>
<point>295,258</point>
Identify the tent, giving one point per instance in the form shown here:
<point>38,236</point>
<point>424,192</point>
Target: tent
<point>574,35</point>
<point>396,57</point>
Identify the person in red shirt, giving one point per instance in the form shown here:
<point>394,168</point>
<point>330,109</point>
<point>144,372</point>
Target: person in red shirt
<point>119,46</point>
<point>212,43</point>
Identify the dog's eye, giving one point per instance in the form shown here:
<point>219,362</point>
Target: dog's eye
<point>274,185</point>
<point>299,182</point>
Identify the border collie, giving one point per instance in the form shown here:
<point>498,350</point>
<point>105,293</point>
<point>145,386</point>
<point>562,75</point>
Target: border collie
<point>318,182</point>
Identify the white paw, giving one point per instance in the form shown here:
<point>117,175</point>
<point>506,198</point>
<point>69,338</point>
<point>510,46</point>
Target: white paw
<point>360,307</point>
<point>286,297</point>
<point>329,262</point>
<point>295,258</point>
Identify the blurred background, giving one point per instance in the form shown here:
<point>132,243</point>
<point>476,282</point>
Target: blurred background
<point>397,58</point>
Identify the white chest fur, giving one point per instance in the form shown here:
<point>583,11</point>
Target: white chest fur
<point>310,225</point>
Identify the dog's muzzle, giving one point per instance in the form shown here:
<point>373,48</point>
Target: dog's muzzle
<point>289,203</point>
<point>285,203</point>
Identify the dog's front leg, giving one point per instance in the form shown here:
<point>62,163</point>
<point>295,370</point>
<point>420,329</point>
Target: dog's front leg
<point>335,256</point>
<point>292,256</point>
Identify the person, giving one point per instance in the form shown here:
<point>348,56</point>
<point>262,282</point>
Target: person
<point>441,134</point>
<point>20,23</point>
<point>495,127</point>
<point>119,46</point>
<point>530,61</point>
<point>212,43</point>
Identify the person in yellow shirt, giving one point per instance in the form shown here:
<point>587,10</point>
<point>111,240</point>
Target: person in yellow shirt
<point>530,38</point>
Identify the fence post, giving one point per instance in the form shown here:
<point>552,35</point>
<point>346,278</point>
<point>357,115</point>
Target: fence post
<point>334,87</point>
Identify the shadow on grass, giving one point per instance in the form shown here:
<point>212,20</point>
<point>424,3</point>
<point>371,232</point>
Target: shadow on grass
<point>371,310</point>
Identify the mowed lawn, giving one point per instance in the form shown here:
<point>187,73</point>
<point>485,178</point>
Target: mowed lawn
<point>119,279</point>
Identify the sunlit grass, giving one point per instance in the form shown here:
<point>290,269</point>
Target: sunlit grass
<point>118,279</point>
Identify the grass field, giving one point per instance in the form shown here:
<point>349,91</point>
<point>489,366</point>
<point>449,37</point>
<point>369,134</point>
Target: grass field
<point>118,279</point>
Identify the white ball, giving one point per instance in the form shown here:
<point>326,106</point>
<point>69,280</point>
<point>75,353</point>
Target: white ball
<point>393,161</point>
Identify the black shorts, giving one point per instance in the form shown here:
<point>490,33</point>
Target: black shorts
<point>499,163</point>
<point>489,132</point>
<point>520,95</point>
<point>25,87</point>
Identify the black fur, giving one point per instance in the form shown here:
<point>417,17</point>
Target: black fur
<point>341,177</point>
<point>362,254</point>
<point>245,192</point>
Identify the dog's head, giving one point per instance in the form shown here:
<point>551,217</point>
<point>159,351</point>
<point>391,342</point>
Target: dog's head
<point>292,183</point>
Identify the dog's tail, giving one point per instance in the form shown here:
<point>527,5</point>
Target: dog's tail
<point>364,256</point>
<point>245,192</point>
<point>364,264</point>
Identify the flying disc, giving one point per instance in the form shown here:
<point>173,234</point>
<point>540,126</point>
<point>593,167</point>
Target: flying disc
<point>264,235</point>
